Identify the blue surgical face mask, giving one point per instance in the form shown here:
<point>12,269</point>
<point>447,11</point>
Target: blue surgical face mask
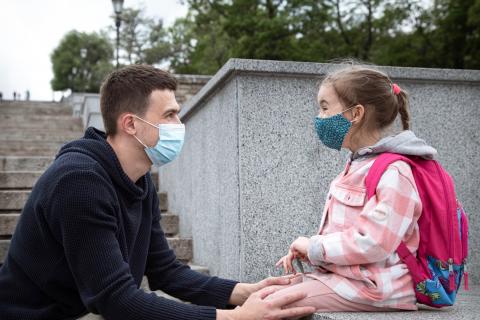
<point>332,130</point>
<point>169,145</point>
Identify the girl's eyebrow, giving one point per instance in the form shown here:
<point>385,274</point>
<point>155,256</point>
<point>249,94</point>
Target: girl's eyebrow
<point>323,101</point>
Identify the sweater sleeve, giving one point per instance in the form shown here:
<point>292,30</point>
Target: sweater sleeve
<point>377,232</point>
<point>166,273</point>
<point>82,211</point>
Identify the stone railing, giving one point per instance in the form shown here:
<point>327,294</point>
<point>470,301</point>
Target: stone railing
<point>253,176</point>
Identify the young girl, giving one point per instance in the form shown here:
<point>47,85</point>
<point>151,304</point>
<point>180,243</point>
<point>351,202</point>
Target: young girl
<point>355,264</point>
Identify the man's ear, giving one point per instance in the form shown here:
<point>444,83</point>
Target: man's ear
<point>358,113</point>
<point>126,123</point>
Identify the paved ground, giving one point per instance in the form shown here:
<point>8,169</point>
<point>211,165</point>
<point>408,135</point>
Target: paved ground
<point>467,307</point>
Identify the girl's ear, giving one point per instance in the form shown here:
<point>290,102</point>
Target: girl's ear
<point>358,113</point>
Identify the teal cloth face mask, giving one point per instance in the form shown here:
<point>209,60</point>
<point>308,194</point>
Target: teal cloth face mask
<point>332,130</point>
<point>169,145</point>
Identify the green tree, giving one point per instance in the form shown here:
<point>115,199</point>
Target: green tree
<point>142,39</point>
<point>457,33</point>
<point>435,33</point>
<point>305,30</point>
<point>81,61</point>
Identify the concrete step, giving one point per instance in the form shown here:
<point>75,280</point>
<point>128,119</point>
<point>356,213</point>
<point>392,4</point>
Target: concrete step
<point>27,179</point>
<point>18,179</point>
<point>36,122</point>
<point>14,200</point>
<point>24,163</point>
<point>39,135</point>
<point>38,108</point>
<point>466,308</point>
<point>181,246</point>
<point>27,147</point>
<point>169,223</point>
<point>9,220</point>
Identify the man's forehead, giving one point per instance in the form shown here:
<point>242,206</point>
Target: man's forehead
<point>161,101</point>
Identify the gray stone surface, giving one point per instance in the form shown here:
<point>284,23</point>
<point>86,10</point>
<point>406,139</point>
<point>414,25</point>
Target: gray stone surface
<point>181,246</point>
<point>45,108</point>
<point>206,198</point>
<point>169,223</point>
<point>91,115</point>
<point>465,308</point>
<point>253,176</point>
<point>24,163</point>
<point>18,180</point>
<point>15,199</point>
<point>8,222</point>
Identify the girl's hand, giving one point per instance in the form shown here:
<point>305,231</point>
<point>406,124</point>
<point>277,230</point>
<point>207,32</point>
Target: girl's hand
<point>286,263</point>
<point>299,247</point>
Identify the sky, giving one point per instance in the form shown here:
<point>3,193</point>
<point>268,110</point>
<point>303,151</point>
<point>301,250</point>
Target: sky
<point>31,29</point>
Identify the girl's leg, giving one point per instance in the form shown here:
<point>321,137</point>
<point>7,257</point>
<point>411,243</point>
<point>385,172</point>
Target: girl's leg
<point>322,297</point>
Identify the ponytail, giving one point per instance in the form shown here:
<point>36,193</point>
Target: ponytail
<point>402,100</point>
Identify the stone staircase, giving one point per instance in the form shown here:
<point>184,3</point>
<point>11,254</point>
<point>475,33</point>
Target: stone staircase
<point>31,134</point>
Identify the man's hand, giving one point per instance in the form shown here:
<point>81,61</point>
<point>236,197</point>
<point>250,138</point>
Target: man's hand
<point>242,291</point>
<point>257,307</point>
<point>298,249</point>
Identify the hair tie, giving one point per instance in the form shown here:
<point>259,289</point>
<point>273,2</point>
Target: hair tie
<point>396,89</point>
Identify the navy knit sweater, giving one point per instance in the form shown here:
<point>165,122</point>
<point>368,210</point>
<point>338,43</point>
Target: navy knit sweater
<point>86,236</point>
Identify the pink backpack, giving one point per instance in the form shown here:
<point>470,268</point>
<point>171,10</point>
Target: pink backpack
<point>441,259</point>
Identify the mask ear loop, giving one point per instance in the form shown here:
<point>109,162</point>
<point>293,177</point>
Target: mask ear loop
<point>352,121</point>
<point>143,144</point>
<point>156,126</point>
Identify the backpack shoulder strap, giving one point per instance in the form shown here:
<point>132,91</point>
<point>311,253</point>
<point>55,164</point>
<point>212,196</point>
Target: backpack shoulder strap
<point>378,168</point>
<point>371,182</point>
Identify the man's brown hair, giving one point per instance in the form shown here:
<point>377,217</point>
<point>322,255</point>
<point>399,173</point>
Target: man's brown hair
<point>128,90</point>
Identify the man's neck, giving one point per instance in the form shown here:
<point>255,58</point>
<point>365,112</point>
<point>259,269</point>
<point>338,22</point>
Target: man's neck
<point>134,161</point>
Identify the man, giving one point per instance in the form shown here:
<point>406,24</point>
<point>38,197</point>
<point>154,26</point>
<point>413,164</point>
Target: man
<point>90,228</point>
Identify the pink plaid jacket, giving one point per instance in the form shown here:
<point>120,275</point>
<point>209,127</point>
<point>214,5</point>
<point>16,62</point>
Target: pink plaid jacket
<point>355,247</point>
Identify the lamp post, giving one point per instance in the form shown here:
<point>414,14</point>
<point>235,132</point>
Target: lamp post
<point>117,8</point>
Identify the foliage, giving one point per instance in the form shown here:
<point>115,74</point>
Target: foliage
<point>414,33</point>
<point>142,39</point>
<point>81,61</point>
<point>441,33</point>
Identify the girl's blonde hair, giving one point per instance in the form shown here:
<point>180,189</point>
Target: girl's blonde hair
<point>356,84</point>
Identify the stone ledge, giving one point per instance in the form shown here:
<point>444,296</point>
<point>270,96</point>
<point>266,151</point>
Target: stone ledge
<point>466,308</point>
<point>311,69</point>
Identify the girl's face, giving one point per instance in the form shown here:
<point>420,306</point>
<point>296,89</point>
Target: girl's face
<point>329,103</point>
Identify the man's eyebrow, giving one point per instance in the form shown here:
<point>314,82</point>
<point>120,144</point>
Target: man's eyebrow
<point>172,109</point>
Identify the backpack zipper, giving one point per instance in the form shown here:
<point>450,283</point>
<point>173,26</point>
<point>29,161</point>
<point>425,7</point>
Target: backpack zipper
<point>451,274</point>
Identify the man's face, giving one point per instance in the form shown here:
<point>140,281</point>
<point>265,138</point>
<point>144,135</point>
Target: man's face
<point>162,109</point>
